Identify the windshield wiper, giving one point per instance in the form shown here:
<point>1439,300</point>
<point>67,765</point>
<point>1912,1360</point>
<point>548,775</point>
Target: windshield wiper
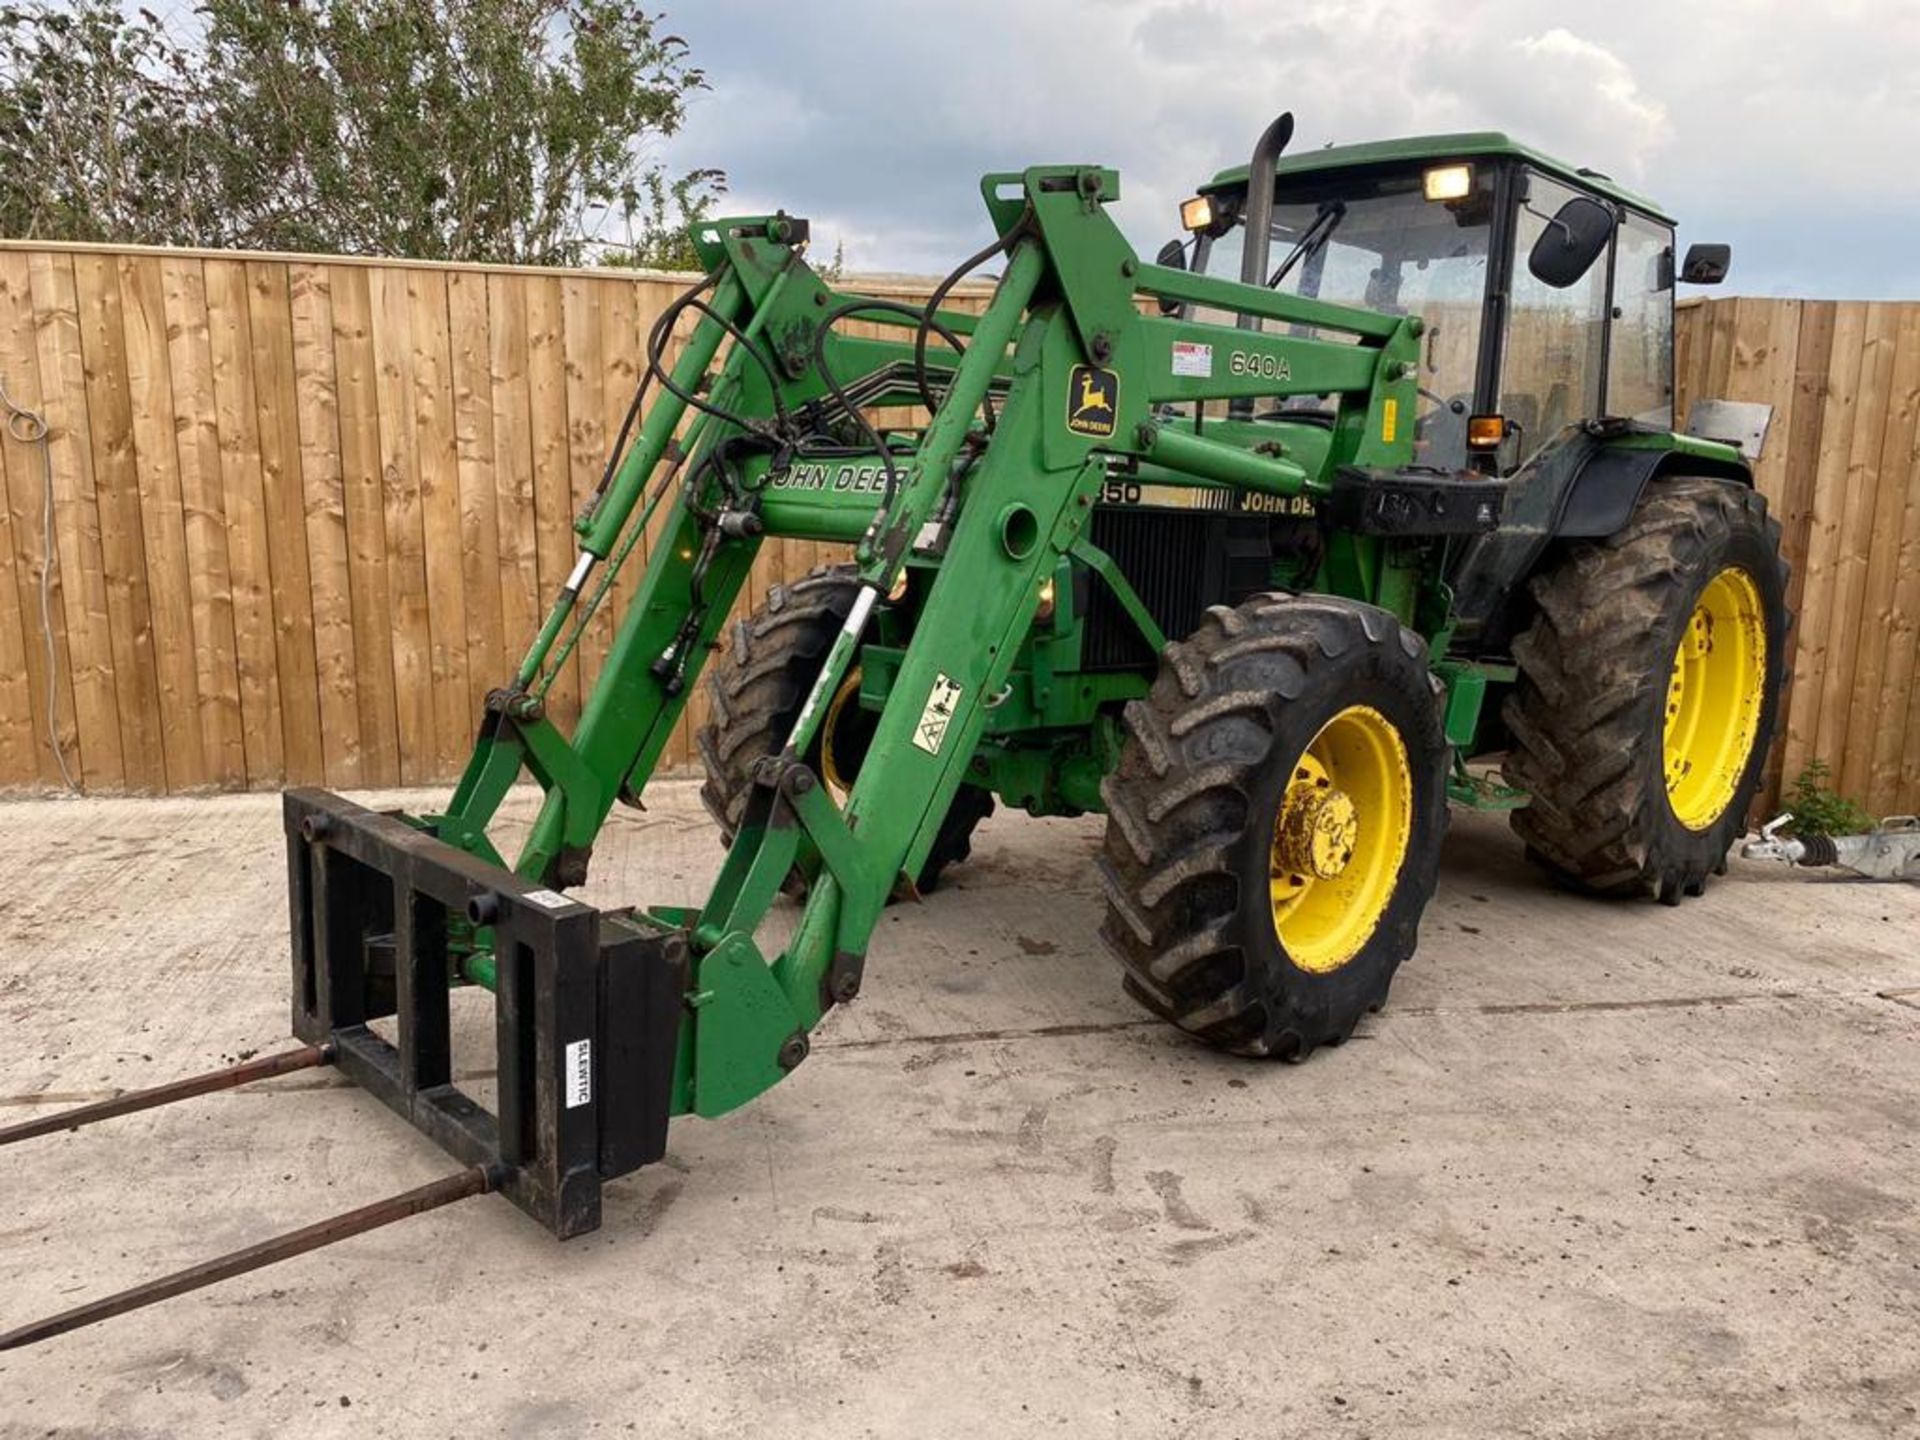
<point>1325,221</point>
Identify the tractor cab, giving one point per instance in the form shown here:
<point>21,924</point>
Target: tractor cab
<point>1546,291</point>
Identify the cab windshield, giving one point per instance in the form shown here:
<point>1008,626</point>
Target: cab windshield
<point>1378,244</point>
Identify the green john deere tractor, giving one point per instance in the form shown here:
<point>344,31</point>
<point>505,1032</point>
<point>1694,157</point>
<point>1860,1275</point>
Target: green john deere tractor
<point>1252,549</point>
<point>1271,683</point>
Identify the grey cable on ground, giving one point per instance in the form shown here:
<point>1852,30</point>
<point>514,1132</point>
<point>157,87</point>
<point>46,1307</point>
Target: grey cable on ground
<point>29,427</point>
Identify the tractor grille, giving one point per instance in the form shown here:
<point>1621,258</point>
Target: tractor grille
<point>1180,562</point>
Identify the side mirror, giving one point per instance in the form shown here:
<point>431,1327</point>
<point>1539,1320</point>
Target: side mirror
<point>1173,255</point>
<point>1575,237</point>
<point>1706,264</point>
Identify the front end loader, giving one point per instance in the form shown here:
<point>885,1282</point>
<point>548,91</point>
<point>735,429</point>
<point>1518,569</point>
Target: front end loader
<point>1252,549</point>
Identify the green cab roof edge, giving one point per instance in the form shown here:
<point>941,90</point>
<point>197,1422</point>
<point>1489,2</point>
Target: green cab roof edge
<point>1433,148</point>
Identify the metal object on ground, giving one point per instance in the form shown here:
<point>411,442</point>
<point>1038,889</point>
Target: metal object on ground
<point>476,1180</point>
<point>263,1067</point>
<point>1889,851</point>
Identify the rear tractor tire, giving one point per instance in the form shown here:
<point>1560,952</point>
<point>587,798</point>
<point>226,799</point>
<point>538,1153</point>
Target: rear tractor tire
<point>1274,824</point>
<point>1649,688</point>
<point>757,689</point>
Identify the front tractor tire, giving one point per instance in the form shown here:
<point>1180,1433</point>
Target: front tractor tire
<point>1274,824</point>
<point>1649,688</point>
<point>756,690</point>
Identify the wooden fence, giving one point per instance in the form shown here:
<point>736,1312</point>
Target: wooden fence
<point>307,511</point>
<point>1842,472</point>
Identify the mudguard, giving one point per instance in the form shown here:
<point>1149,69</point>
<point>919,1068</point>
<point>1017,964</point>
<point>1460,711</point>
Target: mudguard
<point>1582,486</point>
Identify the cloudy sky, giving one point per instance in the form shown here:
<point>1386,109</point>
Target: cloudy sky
<point>1788,128</point>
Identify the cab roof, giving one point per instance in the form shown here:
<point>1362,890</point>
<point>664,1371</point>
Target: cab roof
<point>1424,148</point>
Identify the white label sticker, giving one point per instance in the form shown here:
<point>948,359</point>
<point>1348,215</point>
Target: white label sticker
<point>551,899</point>
<point>579,1073</point>
<point>937,715</point>
<point>1192,359</point>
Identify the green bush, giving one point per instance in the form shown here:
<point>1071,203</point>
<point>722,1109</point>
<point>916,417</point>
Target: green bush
<point>1817,810</point>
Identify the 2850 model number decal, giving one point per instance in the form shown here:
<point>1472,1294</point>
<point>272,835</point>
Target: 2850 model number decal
<point>1122,491</point>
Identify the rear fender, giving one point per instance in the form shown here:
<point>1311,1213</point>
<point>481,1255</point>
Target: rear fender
<point>1583,486</point>
<point>1609,482</point>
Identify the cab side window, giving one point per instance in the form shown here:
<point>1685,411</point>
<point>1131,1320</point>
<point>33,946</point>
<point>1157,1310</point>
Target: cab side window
<point>1640,356</point>
<point>1551,366</point>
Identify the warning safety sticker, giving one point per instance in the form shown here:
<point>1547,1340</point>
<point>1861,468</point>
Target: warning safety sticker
<point>1192,359</point>
<point>931,731</point>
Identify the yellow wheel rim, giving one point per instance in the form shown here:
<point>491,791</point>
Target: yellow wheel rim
<point>838,785</point>
<point>1714,696</point>
<point>1339,838</point>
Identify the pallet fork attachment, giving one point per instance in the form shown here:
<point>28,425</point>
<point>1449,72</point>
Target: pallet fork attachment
<point>587,1008</point>
<point>587,1004</point>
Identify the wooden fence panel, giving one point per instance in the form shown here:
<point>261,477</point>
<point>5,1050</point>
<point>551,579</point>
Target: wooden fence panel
<point>197,452</point>
<point>63,401</point>
<point>101,331</point>
<point>507,362</point>
<point>586,437</point>
<point>31,558</point>
<point>162,519</point>
<point>271,318</point>
<point>308,511</point>
<point>438,459</point>
<point>1855,541</point>
<point>364,513</point>
<point>552,477</point>
<point>406,561</point>
<point>479,499</point>
<point>323,487</point>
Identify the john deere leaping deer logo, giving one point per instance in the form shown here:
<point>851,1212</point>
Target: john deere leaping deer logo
<point>1093,400</point>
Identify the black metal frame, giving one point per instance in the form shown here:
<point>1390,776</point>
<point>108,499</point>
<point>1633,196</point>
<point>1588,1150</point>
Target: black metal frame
<point>588,1004</point>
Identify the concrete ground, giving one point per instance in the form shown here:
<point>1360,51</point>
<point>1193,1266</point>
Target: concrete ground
<point>1598,1170</point>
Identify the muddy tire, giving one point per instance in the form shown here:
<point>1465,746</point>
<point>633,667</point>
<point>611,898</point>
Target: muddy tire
<point>1220,831</point>
<point>1632,794</point>
<point>757,688</point>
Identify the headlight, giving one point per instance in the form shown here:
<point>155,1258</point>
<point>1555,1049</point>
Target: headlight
<point>1197,214</point>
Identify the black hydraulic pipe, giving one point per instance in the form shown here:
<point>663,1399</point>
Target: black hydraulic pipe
<point>266,1066</point>
<point>477,1180</point>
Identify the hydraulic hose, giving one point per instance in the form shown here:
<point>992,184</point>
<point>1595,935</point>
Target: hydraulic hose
<point>953,278</point>
<point>858,415</point>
